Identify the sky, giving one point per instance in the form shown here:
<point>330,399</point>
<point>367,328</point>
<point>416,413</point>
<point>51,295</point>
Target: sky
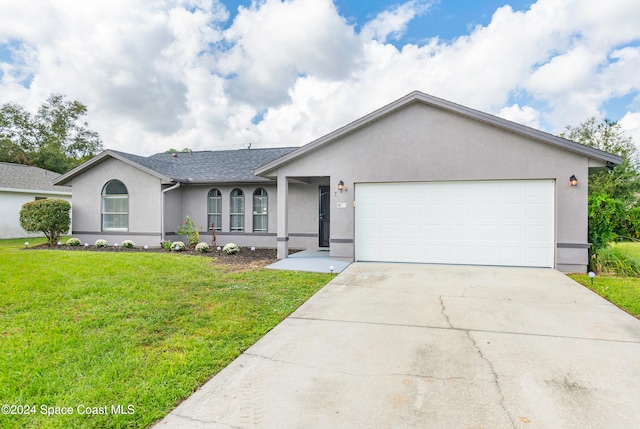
<point>210,75</point>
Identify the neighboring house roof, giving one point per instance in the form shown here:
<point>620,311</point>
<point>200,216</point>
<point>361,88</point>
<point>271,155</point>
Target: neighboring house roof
<point>21,178</point>
<point>420,97</point>
<point>192,167</point>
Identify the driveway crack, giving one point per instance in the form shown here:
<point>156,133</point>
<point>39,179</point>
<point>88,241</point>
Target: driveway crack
<point>442,311</point>
<point>495,378</point>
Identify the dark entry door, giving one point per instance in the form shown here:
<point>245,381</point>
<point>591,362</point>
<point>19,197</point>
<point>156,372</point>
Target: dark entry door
<point>324,216</point>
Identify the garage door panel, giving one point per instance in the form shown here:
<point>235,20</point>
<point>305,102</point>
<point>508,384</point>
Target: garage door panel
<point>494,222</point>
<point>435,232</point>
<point>485,233</point>
<point>460,232</point>
<point>485,211</point>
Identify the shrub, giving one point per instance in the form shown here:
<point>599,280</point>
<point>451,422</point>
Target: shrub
<point>202,247</point>
<point>73,242</point>
<point>128,244</point>
<point>231,249</point>
<point>49,216</point>
<point>101,243</point>
<point>631,223</point>
<point>178,246</point>
<point>603,212</point>
<point>189,229</point>
<point>165,244</point>
<point>613,260</point>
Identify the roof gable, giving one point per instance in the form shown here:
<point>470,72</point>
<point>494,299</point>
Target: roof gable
<point>472,114</point>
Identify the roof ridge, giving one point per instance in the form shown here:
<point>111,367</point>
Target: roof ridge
<point>16,164</point>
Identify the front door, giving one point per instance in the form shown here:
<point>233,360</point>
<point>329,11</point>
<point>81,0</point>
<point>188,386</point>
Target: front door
<point>324,216</point>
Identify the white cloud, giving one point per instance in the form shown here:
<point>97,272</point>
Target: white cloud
<point>630,123</point>
<point>182,73</point>
<point>275,42</point>
<point>525,115</point>
<point>393,23</point>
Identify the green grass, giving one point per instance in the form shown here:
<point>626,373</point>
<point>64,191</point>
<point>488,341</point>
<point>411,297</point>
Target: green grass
<point>631,248</point>
<point>134,329</point>
<point>18,243</point>
<point>621,291</point>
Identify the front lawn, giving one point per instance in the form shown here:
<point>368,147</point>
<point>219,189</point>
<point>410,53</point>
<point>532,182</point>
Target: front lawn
<point>621,291</point>
<point>125,336</point>
<point>631,248</point>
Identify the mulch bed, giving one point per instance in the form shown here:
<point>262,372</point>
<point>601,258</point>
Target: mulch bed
<point>245,259</point>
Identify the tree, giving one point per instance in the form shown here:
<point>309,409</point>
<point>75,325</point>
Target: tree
<point>55,138</point>
<point>49,216</point>
<point>623,183</point>
<point>613,195</point>
<point>16,134</point>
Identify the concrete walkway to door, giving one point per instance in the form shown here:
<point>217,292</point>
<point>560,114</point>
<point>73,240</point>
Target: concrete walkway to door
<point>428,346</point>
<point>315,261</point>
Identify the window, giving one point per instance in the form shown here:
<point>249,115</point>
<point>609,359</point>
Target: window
<point>260,203</point>
<point>214,210</point>
<point>237,210</point>
<point>115,207</point>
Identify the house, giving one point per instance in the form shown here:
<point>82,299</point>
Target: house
<point>21,184</point>
<point>419,180</point>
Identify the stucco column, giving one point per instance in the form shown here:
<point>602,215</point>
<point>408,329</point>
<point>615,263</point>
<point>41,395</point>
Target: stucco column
<point>283,216</point>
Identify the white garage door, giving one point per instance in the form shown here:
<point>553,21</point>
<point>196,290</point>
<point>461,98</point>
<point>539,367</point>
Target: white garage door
<point>479,223</point>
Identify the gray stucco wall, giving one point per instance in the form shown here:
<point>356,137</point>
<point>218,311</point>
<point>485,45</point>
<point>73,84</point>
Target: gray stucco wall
<point>423,143</point>
<point>144,204</point>
<point>191,200</point>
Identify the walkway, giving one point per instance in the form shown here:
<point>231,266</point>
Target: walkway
<point>316,261</point>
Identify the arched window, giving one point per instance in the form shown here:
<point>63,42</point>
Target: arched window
<point>115,206</point>
<point>237,210</point>
<point>214,210</point>
<point>260,204</point>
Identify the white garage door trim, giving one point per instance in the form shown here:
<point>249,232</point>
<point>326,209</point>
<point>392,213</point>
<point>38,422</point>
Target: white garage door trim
<point>506,223</point>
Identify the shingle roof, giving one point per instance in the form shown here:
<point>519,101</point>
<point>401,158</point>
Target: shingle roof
<point>195,167</point>
<point>217,166</point>
<point>25,177</point>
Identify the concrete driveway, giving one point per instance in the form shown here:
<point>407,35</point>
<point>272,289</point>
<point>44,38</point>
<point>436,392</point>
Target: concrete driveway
<point>428,346</point>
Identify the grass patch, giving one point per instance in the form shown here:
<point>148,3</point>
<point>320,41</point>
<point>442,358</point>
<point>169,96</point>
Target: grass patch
<point>140,330</point>
<point>18,243</point>
<point>619,281</point>
<point>621,291</point>
<point>630,248</point>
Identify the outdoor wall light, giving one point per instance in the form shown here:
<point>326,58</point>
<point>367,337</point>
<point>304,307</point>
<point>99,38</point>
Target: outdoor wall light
<point>573,180</point>
<point>341,186</point>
